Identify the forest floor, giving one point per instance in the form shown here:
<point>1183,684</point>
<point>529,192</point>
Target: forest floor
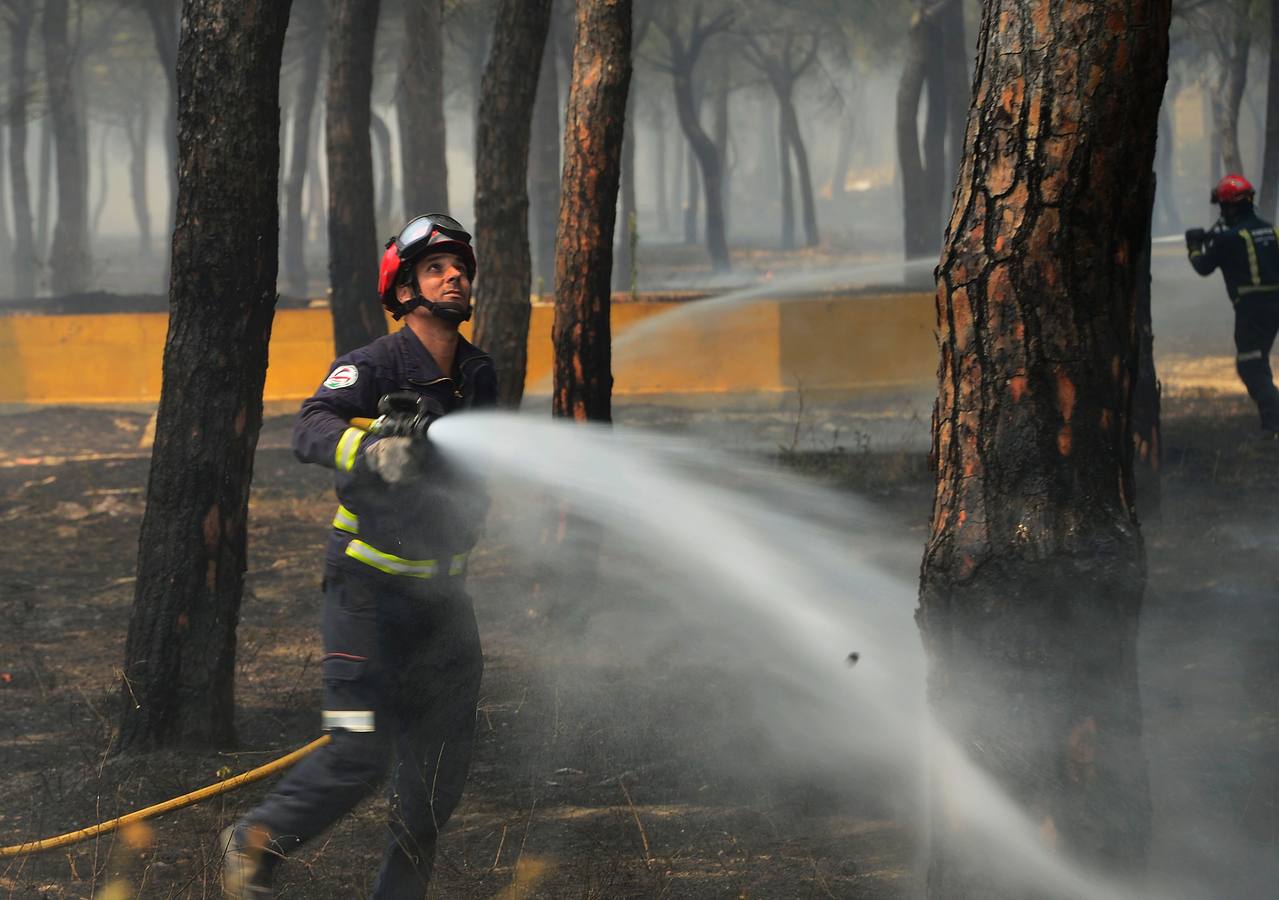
<point>586,784</point>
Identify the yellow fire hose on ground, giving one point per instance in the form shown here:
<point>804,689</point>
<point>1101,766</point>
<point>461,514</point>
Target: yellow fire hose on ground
<point>212,790</point>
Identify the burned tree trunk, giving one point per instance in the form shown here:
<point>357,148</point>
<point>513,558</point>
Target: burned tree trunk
<point>419,110</point>
<point>312,38</point>
<point>593,129</point>
<point>180,656</point>
<point>1033,574</point>
<point>502,307</point>
<point>70,273</point>
<point>544,167</point>
<point>353,240</point>
<point>24,249</point>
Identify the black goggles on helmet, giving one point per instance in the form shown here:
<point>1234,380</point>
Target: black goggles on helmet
<point>418,236</point>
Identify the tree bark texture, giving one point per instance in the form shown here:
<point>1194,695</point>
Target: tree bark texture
<point>544,167</point>
<point>505,119</point>
<point>69,273</point>
<point>1227,93</point>
<point>1270,154</point>
<point>180,655</point>
<point>1034,569</point>
<point>353,239</point>
<point>593,130</point>
<point>419,108</point>
<point>312,37</point>
<point>24,249</point>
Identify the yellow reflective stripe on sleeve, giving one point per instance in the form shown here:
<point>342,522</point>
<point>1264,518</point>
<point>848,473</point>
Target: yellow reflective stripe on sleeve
<point>347,719</point>
<point>1258,288</point>
<point>1253,267</point>
<point>1196,252</point>
<point>396,565</point>
<point>348,444</point>
<point>347,521</point>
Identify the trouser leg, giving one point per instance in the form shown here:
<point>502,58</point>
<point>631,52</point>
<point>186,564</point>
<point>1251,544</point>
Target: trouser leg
<point>434,729</point>
<point>332,780</point>
<point>1255,326</point>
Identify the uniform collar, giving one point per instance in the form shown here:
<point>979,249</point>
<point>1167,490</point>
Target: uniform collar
<point>420,366</point>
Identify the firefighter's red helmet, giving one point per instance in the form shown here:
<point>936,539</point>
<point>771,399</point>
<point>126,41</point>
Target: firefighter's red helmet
<point>1232,189</point>
<point>434,233</point>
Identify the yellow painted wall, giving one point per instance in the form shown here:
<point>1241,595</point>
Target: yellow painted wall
<point>835,343</point>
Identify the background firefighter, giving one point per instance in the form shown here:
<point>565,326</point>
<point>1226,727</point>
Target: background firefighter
<point>402,659</point>
<point>1244,247</point>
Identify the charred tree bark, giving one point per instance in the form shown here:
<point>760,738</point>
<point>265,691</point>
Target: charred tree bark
<point>593,129</point>
<point>295,231</point>
<point>502,306</point>
<point>70,272</point>
<point>544,166</point>
<point>180,656</point>
<point>419,108</point>
<point>1033,574</point>
<point>353,241</point>
<point>24,250</point>
<point>1270,154</point>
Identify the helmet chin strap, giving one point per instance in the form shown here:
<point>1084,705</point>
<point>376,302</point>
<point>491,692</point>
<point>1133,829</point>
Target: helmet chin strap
<point>452,313</point>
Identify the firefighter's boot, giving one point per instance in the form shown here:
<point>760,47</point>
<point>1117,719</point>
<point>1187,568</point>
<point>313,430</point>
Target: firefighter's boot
<point>246,863</point>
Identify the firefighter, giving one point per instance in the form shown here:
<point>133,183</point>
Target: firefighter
<point>1244,247</point>
<point>402,660</point>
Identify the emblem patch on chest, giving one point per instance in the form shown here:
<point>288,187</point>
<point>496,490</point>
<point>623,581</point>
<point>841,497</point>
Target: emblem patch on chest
<point>342,376</point>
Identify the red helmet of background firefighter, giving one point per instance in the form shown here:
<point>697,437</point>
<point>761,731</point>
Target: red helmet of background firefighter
<point>401,290</point>
<point>1244,247</point>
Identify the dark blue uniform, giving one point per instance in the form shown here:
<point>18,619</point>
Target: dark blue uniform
<point>402,659</point>
<point>1247,252</point>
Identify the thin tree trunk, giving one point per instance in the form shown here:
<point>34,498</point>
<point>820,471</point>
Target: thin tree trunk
<point>680,161</point>
<point>70,275</point>
<point>1165,202</point>
<point>593,130</point>
<point>353,240</point>
<point>384,178</point>
<point>505,120</point>
<point>720,134</point>
<point>295,232</point>
<point>790,127</point>
<point>708,162</point>
<point>843,158</point>
<point>419,109</point>
<point>1270,155</point>
<point>936,177</point>
<point>624,258</point>
<point>163,16</point>
<point>787,180</point>
<point>1033,574</point>
<point>957,86</point>
<point>44,203</point>
<point>138,130</point>
<point>544,166</point>
<point>25,256</point>
<point>100,204</point>
<point>692,194</point>
<point>661,189</point>
<point>179,665</point>
<point>317,208</point>
<point>1228,94</point>
<point>920,222</point>
<point>6,235</point>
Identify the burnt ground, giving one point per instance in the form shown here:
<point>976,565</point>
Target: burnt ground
<point>598,784</point>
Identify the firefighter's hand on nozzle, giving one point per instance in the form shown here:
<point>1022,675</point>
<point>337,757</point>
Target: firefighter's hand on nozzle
<point>1195,238</point>
<point>392,459</point>
<point>404,414</point>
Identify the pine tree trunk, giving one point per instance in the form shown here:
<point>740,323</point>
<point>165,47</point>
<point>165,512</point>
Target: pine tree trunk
<point>295,231</point>
<point>937,179</point>
<point>353,240</point>
<point>958,87</point>
<point>1270,162</point>
<point>720,135</point>
<point>661,189</point>
<point>383,177</point>
<point>708,161</point>
<point>787,180</point>
<point>1228,94</point>
<point>920,222</point>
<point>419,107</point>
<point>1166,213</point>
<point>502,306</point>
<point>624,258</point>
<point>1033,574</point>
<point>544,167</point>
<point>163,16</point>
<point>139,132</point>
<point>808,204</point>
<point>24,249</point>
<point>692,194</point>
<point>180,655</point>
<point>70,272</point>
<point>44,200</point>
<point>593,130</point>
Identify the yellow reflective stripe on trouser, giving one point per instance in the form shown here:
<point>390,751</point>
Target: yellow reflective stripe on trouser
<point>1249,356</point>
<point>347,719</point>
<point>347,521</point>
<point>1253,268</point>
<point>348,444</point>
